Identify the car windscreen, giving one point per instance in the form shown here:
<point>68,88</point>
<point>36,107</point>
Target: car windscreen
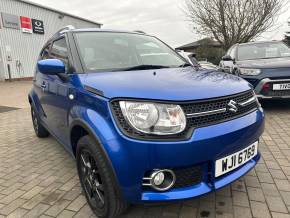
<point>114,51</point>
<point>263,51</point>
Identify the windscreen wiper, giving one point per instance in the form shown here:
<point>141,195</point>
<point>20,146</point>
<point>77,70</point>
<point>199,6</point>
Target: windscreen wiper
<point>145,67</point>
<point>185,65</point>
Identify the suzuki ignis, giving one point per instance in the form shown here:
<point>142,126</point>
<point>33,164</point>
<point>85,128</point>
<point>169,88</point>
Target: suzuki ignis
<point>142,123</point>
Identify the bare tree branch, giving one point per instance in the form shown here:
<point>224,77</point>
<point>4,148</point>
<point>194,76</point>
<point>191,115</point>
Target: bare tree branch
<point>233,21</point>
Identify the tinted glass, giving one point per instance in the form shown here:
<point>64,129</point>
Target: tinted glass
<point>233,52</point>
<point>45,53</point>
<point>229,51</point>
<point>59,51</point>
<point>263,51</point>
<point>107,51</point>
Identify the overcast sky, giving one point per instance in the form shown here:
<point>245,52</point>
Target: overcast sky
<point>163,18</point>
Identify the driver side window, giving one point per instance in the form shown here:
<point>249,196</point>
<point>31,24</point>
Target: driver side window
<point>59,51</point>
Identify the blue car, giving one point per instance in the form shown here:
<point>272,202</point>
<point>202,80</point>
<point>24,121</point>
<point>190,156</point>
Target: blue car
<point>142,123</point>
<point>266,65</point>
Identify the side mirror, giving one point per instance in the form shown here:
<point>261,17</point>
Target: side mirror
<point>51,66</point>
<point>227,58</point>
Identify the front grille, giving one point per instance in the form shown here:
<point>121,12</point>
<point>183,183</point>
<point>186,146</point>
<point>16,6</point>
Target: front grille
<point>217,104</point>
<point>277,93</point>
<point>186,177</point>
<point>254,82</point>
<point>192,122</point>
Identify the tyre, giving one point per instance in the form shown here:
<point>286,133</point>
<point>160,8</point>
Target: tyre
<point>97,179</point>
<point>39,129</point>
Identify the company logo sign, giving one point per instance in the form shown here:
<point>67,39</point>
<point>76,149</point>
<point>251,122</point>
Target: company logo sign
<point>10,21</point>
<point>37,26</point>
<point>26,24</point>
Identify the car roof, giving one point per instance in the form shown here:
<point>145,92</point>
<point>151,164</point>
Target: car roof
<point>104,30</point>
<point>259,42</point>
<point>71,29</point>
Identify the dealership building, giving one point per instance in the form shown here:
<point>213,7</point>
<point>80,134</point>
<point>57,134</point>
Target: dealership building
<point>24,28</point>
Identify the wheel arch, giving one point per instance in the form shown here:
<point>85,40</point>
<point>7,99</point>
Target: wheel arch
<point>80,125</point>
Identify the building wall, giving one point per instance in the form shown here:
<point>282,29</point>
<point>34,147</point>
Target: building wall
<point>24,47</point>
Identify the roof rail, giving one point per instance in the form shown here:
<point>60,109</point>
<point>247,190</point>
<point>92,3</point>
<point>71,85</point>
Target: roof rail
<point>139,31</point>
<point>63,30</point>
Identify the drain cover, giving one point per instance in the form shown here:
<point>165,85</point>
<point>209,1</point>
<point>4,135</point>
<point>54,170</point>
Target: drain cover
<point>6,109</point>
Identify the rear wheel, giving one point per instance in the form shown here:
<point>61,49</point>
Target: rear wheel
<point>97,180</point>
<point>39,129</point>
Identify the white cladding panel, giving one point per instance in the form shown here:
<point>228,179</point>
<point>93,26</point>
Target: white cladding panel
<point>24,48</point>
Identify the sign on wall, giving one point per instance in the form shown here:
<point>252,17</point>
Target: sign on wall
<point>10,21</point>
<point>25,23</point>
<point>37,26</point>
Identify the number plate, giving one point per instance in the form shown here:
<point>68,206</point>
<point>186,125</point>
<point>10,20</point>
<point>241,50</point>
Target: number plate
<point>284,86</point>
<point>233,161</point>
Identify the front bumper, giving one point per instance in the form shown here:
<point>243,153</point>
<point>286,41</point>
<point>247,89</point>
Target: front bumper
<point>269,94</point>
<point>203,187</point>
<point>131,158</point>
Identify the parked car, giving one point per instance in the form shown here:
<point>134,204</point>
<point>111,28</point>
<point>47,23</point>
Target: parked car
<point>266,65</point>
<point>142,123</point>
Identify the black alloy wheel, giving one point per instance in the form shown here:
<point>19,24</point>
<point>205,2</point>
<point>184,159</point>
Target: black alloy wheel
<point>91,179</point>
<point>97,179</point>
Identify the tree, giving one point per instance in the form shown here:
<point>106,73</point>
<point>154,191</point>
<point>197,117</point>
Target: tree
<point>233,21</point>
<point>287,34</point>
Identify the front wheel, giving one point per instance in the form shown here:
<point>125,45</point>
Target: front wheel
<point>97,179</point>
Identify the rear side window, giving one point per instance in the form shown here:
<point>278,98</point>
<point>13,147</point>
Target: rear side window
<point>59,51</point>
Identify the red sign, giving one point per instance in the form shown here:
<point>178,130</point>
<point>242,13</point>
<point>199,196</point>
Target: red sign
<point>26,25</point>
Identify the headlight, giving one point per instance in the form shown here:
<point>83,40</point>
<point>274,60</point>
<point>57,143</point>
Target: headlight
<point>249,71</point>
<point>154,118</point>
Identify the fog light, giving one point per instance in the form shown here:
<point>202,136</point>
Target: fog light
<point>158,178</point>
<point>162,180</point>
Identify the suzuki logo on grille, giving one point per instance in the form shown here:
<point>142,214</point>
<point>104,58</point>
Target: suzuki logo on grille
<point>232,106</point>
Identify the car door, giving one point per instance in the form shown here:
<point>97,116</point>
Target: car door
<point>59,88</point>
<point>40,88</point>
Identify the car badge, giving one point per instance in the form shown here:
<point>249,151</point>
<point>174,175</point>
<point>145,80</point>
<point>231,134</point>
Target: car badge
<point>232,106</point>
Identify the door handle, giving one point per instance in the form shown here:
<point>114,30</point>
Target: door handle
<point>43,86</point>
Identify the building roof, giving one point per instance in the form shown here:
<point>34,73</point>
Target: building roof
<point>58,11</point>
<point>208,42</point>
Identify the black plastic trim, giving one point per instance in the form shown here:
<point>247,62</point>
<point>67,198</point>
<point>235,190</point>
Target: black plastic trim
<point>94,91</point>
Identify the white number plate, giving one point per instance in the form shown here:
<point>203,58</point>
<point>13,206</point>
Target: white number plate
<point>235,160</point>
<point>284,86</point>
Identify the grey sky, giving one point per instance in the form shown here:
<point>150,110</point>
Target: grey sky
<point>163,18</point>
